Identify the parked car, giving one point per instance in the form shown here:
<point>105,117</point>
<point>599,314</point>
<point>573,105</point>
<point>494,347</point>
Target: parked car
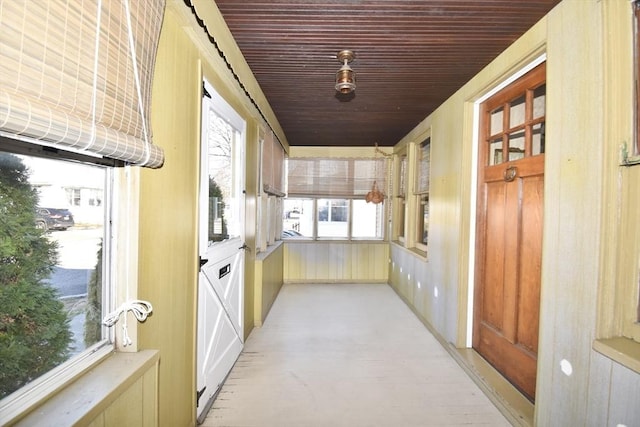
<point>289,234</point>
<point>54,219</point>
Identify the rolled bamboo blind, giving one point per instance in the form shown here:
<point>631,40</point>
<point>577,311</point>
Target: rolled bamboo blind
<point>334,177</point>
<point>68,78</point>
<point>272,165</point>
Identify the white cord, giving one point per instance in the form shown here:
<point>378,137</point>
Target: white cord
<point>94,90</point>
<point>140,309</point>
<point>136,75</point>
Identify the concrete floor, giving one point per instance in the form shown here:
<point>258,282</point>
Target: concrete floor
<point>347,355</point>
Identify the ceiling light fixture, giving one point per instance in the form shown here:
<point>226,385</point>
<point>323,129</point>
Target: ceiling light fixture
<point>345,76</point>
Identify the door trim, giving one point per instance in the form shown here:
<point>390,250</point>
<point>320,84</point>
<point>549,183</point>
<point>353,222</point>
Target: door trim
<point>473,196</point>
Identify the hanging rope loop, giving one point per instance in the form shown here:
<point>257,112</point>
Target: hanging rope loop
<point>140,309</point>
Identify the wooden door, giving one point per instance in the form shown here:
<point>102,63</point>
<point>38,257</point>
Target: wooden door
<point>509,245</point>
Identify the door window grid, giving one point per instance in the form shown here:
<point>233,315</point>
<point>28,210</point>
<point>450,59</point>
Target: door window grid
<point>516,124</point>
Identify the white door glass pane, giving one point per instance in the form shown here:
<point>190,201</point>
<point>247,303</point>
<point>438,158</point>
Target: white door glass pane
<point>367,220</point>
<point>52,305</point>
<point>224,190</point>
<point>333,218</point>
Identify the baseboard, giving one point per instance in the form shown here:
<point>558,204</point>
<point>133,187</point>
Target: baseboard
<point>515,407</point>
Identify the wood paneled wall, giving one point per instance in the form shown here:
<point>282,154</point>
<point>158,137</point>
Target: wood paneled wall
<point>268,281</point>
<point>334,261</point>
<point>121,391</point>
<point>587,215</point>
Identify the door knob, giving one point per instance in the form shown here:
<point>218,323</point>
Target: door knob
<point>510,173</point>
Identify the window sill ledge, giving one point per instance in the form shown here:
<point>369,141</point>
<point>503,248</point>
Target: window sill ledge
<point>414,251</point>
<point>622,350</point>
<point>261,256</point>
<point>83,400</point>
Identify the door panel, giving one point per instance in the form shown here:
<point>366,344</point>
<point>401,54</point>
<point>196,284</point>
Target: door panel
<point>530,261</point>
<point>223,277</point>
<point>507,323</point>
<point>219,323</point>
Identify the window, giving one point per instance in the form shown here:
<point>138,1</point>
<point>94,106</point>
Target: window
<point>271,191</point>
<point>52,301</point>
<point>423,160</point>
<point>401,200</point>
<point>368,220</point>
<point>618,329</point>
<point>327,198</point>
<point>298,218</point>
<point>345,219</point>
<point>73,196</point>
<point>105,123</point>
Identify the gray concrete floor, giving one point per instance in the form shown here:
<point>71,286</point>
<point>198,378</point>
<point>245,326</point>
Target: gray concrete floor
<point>347,355</point>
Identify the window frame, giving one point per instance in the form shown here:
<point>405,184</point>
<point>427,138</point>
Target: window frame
<point>618,323</point>
<point>350,220</point>
<point>399,208</point>
<point>419,194</point>
<point>120,203</point>
<point>636,75</point>
<point>270,196</point>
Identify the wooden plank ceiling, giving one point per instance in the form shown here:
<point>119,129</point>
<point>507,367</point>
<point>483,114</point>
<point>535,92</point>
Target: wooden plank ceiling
<point>410,57</point>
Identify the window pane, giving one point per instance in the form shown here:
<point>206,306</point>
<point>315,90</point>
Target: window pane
<point>51,264</point>
<point>539,101</point>
<point>423,220</point>
<point>496,121</point>
<point>333,216</point>
<point>424,166</point>
<point>298,218</point>
<point>402,185</point>
<point>400,219</point>
<point>516,112</point>
<point>538,139</point>
<point>223,190</point>
<point>495,152</point>
<point>367,220</point>
<point>516,145</point>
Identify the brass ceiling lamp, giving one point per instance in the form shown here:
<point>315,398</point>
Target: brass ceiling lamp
<point>345,76</point>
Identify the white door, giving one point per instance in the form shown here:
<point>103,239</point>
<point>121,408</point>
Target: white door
<point>221,246</point>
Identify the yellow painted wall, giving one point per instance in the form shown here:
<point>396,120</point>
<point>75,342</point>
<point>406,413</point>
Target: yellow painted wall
<point>268,281</point>
<point>168,225</point>
<point>590,216</point>
<point>168,239</point>
<point>578,209</point>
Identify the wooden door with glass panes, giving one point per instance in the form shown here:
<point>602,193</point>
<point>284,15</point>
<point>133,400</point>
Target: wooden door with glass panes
<point>509,234</point>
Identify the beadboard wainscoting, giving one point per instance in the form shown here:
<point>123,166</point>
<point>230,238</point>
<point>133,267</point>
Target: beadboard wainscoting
<point>336,262</point>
